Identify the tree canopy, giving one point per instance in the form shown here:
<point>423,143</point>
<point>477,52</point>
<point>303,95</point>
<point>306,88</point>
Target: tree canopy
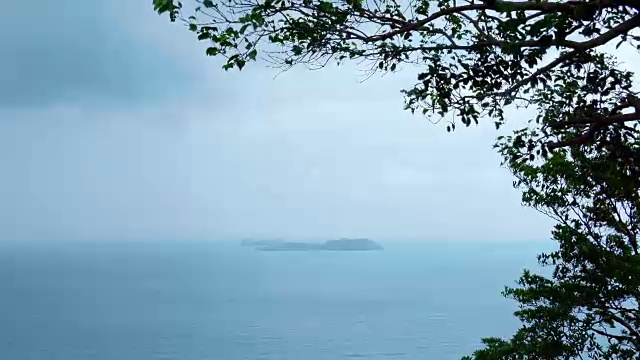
<point>590,306</point>
<point>478,57</point>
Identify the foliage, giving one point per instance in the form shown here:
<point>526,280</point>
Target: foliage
<point>478,56</point>
<point>589,308</point>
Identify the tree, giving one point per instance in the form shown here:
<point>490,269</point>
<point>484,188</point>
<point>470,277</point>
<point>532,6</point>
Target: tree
<point>589,307</point>
<point>479,57</point>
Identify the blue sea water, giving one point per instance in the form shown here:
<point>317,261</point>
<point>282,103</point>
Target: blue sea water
<point>219,301</point>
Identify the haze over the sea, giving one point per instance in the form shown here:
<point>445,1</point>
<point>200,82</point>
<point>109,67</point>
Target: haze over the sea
<point>114,125</point>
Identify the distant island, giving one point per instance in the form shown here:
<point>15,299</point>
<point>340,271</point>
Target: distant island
<point>257,243</point>
<point>331,245</point>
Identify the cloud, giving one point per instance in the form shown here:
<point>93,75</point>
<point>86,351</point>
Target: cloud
<point>122,129</point>
<point>77,51</point>
<point>362,170</point>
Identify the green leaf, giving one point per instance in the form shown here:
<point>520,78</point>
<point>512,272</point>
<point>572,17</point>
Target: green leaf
<point>325,6</point>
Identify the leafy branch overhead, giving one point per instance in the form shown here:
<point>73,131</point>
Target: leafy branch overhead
<point>478,57</point>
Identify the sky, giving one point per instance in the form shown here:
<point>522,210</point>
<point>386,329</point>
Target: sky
<point>114,125</point>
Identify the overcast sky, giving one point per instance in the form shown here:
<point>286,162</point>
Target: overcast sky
<point>114,125</point>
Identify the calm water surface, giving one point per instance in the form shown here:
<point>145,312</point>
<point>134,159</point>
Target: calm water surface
<point>219,301</point>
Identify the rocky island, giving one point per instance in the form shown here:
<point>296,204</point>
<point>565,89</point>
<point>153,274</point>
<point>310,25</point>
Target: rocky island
<point>331,245</point>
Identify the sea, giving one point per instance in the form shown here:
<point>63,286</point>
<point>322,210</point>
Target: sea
<point>217,300</point>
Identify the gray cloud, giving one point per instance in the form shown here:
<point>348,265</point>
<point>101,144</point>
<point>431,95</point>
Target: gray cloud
<point>172,155</point>
<point>73,50</point>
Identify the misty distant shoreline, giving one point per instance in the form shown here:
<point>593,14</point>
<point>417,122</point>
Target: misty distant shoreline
<point>358,244</point>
